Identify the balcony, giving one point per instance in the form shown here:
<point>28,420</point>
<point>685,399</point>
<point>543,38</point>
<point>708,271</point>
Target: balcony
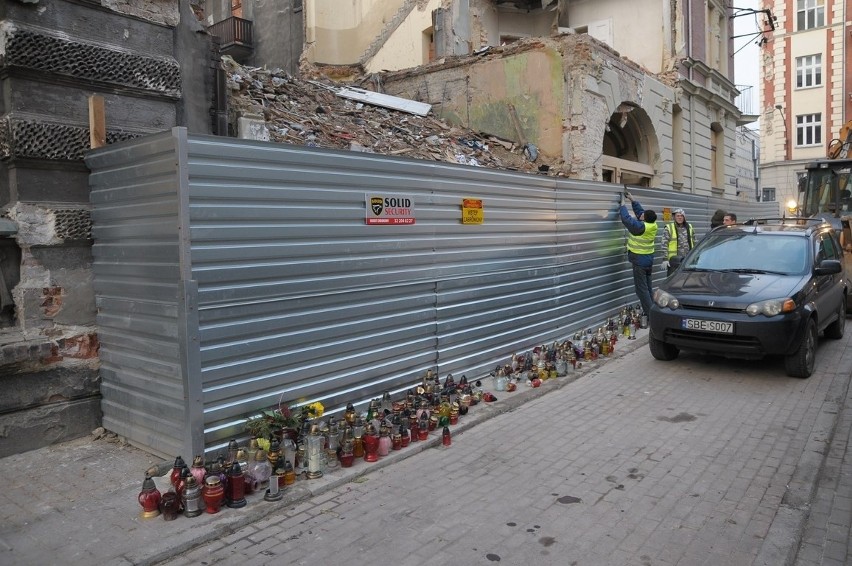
<point>745,104</point>
<point>235,37</point>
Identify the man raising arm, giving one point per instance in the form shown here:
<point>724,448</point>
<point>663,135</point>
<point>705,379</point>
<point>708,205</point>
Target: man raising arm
<point>640,247</point>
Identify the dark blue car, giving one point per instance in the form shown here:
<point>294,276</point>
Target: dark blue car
<point>766,287</point>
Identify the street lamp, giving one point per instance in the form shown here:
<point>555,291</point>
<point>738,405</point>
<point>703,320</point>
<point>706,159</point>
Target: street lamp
<point>792,205</point>
<point>780,110</point>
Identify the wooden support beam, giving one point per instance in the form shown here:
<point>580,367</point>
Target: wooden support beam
<point>97,121</point>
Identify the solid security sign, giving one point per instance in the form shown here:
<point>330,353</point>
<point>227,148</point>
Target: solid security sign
<point>389,209</point>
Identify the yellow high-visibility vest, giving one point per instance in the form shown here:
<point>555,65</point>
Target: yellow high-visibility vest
<point>644,243</point>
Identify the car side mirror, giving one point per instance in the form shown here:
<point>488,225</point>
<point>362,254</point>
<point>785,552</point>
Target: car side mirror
<point>828,267</point>
<point>675,261</point>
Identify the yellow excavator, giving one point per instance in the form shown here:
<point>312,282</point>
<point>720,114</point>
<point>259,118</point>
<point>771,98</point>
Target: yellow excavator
<point>841,146</point>
<point>825,191</point>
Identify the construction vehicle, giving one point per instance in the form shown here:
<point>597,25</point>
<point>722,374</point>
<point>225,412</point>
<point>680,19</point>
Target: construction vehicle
<point>825,191</point>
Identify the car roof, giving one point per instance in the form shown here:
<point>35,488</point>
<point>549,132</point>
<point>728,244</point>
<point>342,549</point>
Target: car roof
<point>786,225</point>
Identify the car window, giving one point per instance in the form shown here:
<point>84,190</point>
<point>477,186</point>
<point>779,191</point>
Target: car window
<point>825,248</point>
<point>750,251</point>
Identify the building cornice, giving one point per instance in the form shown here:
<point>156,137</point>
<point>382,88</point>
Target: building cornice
<point>710,97</point>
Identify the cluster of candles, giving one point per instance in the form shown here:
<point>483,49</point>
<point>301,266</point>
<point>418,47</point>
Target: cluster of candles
<point>558,359</point>
<point>321,445</point>
<point>388,425</point>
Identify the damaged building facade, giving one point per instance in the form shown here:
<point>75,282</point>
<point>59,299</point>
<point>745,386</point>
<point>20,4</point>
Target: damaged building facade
<point>598,86</point>
<point>152,64</point>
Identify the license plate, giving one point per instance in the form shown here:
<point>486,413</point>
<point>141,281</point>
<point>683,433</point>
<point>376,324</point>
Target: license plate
<point>708,325</point>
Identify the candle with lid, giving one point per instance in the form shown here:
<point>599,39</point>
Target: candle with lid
<point>149,498</point>
<point>213,493</point>
<point>198,470</point>
<point>191,498</point>
<point>177,470</point>
<point>236,487</point>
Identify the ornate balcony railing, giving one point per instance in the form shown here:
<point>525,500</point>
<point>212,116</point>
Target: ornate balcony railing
<point>235,35</point>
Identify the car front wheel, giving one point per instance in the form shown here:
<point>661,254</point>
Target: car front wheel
<point>836,328</point>
<point>801,362</point>
<point>662,351</point>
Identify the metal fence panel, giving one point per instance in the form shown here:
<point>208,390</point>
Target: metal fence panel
<point>135,211</point>
<point>280,291</point>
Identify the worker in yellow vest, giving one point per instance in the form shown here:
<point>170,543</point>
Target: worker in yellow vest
<point>678,238</point>
<point>641,239</point>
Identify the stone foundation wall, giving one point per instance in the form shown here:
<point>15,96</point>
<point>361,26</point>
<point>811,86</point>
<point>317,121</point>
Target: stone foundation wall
<point>56,54</point>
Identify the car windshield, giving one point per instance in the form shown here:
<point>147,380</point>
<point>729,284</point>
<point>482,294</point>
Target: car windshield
<point>749,252</point>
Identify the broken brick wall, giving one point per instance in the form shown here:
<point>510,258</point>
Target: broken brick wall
<point>153,69</point>
<point>557,93</point>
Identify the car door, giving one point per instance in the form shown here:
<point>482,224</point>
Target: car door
<point>829,291</point>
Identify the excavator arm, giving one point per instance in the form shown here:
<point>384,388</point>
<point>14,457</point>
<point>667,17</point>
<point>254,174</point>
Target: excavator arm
<point>841,146</point>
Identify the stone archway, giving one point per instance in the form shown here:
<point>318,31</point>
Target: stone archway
<point>630,147</point>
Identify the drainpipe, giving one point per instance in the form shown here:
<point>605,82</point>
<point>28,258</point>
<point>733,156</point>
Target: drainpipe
<point>755,169</point>
<point>688,4</point>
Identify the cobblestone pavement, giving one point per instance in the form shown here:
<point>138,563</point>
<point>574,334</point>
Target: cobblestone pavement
<point>629,461</point>
<point>700,461</point>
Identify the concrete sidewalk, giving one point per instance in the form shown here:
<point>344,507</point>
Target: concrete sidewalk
<point>76,502</point>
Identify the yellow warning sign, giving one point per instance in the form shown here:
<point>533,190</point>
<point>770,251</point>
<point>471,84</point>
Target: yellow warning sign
<point>472,211</point>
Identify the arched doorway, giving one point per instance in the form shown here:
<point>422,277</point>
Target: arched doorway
<point>629,147</point>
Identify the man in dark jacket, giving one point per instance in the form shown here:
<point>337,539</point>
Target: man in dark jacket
<point>640,247</point>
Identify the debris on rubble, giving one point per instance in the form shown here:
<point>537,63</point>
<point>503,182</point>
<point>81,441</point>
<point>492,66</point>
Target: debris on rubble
<point>378,99</point>
<point>312,113</point>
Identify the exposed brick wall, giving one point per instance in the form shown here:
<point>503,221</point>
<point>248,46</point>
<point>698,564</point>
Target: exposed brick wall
<point>83,347</point>
<point>136,55</point>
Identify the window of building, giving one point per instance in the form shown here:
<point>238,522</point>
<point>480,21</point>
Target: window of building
<point>717,37</point>
<point>677,146</point>
<point>808,71</point>
<point>810,14</point>
<point>808,129</point>
<point>768,194</point>
<point>717,156</point>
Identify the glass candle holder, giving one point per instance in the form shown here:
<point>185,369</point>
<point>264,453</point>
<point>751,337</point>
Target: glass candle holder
<point>347,457</point>
<point>315,449</point>
<point>149,498</point>
<point>236,487</point>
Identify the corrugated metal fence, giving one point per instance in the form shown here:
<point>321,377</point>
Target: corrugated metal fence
<point>232,275</point>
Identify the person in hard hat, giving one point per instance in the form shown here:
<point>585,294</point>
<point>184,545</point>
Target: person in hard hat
<point>678,238</point>
<point>640,247</point>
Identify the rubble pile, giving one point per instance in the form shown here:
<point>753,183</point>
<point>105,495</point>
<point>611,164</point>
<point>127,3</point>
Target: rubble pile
<point>310,113</point>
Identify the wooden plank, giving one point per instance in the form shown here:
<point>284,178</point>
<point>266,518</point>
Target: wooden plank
<point>516,123</point>
<point>97,121</point>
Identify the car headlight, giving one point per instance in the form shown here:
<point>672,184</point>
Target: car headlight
<point>666,300</point>
<point>771,307</point>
